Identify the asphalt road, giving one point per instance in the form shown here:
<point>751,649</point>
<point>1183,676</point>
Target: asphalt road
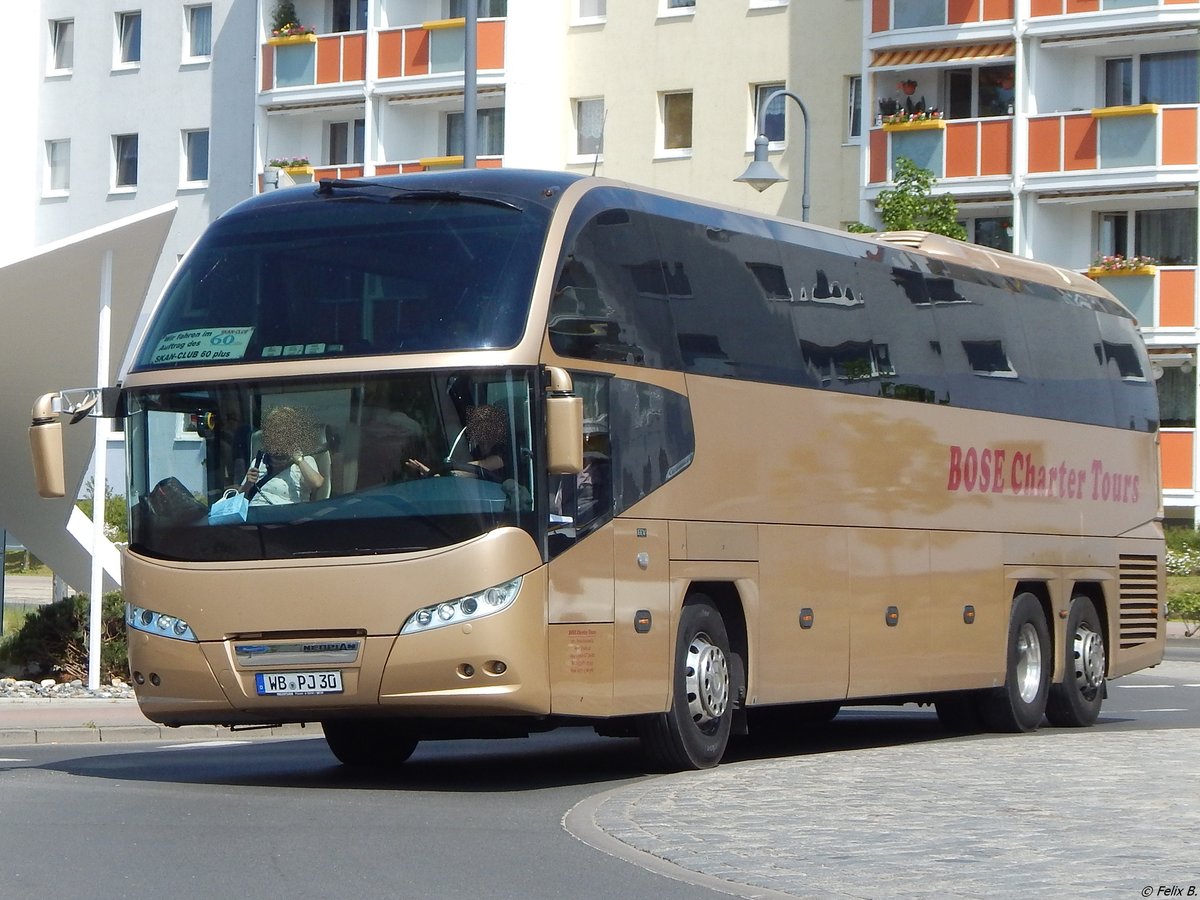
<point>279,818</point>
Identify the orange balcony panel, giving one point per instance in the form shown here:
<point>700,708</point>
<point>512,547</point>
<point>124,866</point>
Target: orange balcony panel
<point>962,149</point>
<point>407,168</point>
<point>880,15</point>
<point>997,10</point>
<point>1177,298</point>
<point>391,54</point>
<point>1179,137</point>
<point>388,169</point>
<point>268,67</point>
<point>493,163</point>
<point>490,45</point>
<point>1045,145</point>
<point>1046,8</point>
<point>1175,451</point>
<point>416,51</point>
<point>960,11</point>
<point>879,146</point>
<point>1083,6</point>
<point>1079,142</point>
<point>354,57</point>
<point>329,59</point>
<point>995,147</point>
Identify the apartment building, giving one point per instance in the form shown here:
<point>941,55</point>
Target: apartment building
<point>1066,130</point>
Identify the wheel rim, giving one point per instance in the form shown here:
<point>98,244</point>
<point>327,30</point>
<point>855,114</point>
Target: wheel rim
<point>706,681</point>
<point>1089,660</point>
<point>1029,663</point>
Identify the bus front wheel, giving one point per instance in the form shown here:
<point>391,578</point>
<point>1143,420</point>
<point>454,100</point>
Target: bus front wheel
<point>694,732</point>
<point>1076,702</point>
<point>1020,703</point>
<point>369,743</point>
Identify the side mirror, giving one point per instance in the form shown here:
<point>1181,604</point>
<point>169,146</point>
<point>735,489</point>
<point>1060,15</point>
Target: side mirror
<point>46,445</point>
<point>564,424</point>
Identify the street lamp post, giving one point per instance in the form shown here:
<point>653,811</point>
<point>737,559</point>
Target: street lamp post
<point>761,174</point>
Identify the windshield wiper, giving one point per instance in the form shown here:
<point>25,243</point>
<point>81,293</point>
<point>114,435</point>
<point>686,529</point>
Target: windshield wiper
<point>405,195</point>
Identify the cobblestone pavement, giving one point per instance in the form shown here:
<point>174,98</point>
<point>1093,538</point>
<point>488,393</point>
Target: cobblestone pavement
<point>1061,812</point>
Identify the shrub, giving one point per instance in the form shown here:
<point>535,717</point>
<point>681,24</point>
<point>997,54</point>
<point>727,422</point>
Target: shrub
<point>1186,606</point>
<point>53,642</point>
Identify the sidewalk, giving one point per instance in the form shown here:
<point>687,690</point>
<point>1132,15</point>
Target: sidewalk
<point>75,721</point>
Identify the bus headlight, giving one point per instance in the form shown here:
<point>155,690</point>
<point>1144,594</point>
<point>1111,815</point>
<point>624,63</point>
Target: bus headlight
<point>464,609</point>
<point>151,622</point>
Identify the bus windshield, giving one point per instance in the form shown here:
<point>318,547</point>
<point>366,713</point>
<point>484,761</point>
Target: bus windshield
<point>337,466</point>
<point>350,273</point>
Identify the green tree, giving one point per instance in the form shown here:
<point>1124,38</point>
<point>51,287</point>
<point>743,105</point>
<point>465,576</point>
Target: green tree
<point>116,511</point>
<point>912,206</point>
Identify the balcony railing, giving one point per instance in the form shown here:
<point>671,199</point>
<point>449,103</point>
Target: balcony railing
<point>435,48</point>
<point>1112,138</point>
<point>1159,297</point>
<point>888,15</point>
<point>331,59</point>
<point>1067,7</point>
<point>1177,455</point>
<point>950,148</point>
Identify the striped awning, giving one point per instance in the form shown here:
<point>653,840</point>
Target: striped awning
<point>899,59</point>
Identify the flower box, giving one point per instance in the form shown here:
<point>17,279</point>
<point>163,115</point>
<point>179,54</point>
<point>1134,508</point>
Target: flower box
<point>1113,112</point>
<point>1100,272</point>
<point>297,170</point>
<point>914,125</point>
<point>292,39</point>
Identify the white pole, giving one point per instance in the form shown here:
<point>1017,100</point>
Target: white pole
<point>100,473</point>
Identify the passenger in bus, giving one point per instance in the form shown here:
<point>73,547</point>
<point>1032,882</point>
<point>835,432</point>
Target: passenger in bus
<point>286,470</point>
<point>486,432</point>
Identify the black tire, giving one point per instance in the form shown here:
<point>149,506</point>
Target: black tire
<point>959,713</point>
<point>369,743</point>
<point>694,732</point>
<point>1021,702</point>
<point>1076,702</point>
<point>790,720</point>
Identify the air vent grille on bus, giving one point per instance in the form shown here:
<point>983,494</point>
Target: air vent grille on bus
<point>1139,600</point>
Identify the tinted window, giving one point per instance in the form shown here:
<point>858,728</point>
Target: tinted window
<point>350,275</point>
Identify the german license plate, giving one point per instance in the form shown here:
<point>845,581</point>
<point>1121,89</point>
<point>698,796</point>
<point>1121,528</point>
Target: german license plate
<point>297,684</point>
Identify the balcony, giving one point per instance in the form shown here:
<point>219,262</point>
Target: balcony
<point>330,60</point>
<point>1147,136</point>
<point>951,148</point>
<point>1068,7</point>
<point>889,15</point>
<point>406,167</point>
<point>428,51</point>
<point>1177,454</point>
<point>1162,298</point>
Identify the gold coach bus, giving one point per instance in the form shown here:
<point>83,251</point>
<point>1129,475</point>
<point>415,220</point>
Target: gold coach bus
<point>483,453</point>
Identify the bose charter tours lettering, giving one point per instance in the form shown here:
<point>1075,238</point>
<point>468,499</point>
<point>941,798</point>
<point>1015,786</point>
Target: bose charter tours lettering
<point>993,470</point>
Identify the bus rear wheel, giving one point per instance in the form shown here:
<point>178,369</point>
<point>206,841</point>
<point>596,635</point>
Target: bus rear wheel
<point>369,743</point>
<point>1076,702</point>
<point>694,732</point>
<point>1020,703</point>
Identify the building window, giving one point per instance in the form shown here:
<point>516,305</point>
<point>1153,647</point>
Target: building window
<point>58,167</point>
<point>591,9</point>
<point>125,160</point>
<point>994,232</point>
<point>195,156</point>
<point>589,127</point>
<point>199,31</point>
<point>677,121</point>
<point>774,123</point>
<point>129,37</point>
<point>62,43</point>
<point>1177,396</point>
<point>346,142</point>
<point>1152,78</point>
<point>979,92</point>
<point>1165,235</point>
<point>347,15</point>
<point>489,133</point>
<point>676,7</point>
<point>854,107</point>
<point>488,9</point>
<point>681,4</point>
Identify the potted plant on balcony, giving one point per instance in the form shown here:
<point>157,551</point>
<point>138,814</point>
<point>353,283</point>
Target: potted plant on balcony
<point>285,27</point>
<point>293,165</point>
<point>1118,264</point>
<point>916,119</point>
<point>908,86</point>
